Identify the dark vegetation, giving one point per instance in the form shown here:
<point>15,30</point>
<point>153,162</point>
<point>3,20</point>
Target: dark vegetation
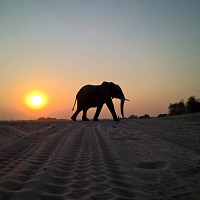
<point>141,117</point>
<point>41,119</point>
<point>162,115</point>
<point>191,106</point>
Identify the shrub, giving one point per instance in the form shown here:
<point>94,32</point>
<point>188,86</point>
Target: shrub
<point>133,117</point>
<point>162,115</point>
<point>144,117</point>
<point>177,108</point>
<point>192,105</point>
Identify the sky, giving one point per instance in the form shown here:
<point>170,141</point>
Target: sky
<point>54,47</point>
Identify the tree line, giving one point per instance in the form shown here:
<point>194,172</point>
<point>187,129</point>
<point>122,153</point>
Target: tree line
<point>191,106</point>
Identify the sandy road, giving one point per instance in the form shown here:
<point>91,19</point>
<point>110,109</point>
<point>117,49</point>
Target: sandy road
<point>130,159</point>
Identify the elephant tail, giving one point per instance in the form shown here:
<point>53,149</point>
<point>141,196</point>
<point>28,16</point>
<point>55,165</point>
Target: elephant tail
<point>74,105</point>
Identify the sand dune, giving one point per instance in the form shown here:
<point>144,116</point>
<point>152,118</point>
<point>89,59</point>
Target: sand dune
<point>156,158</point>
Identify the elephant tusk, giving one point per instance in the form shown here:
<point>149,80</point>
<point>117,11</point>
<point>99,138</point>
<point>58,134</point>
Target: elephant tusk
<point>124,99</point>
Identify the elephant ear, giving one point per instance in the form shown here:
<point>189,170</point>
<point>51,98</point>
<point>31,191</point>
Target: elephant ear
<point>105,89</point>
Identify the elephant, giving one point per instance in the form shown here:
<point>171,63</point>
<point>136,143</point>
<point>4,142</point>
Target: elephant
<point>95,96</point>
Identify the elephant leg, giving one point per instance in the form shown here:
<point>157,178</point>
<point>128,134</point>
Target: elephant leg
<point>84,117</point>
<point>97,112</point>
<point>112,109</point>
<point>75,114</point>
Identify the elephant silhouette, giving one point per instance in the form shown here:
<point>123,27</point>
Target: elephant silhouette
<point>95,96</point>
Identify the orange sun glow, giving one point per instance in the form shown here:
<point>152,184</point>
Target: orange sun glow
<point>35,100</point>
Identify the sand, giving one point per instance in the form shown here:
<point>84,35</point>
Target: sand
<point>157,158</point>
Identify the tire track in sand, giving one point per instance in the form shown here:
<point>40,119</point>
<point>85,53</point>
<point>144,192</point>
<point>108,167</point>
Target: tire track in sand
<point>25,176</point>
<point>163,167</point>
<point>95,161</point>
<point>98,174</point>
<point>72,162</point>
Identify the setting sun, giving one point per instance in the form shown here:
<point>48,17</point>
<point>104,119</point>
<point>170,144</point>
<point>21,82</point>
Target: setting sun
<point>36,100</point>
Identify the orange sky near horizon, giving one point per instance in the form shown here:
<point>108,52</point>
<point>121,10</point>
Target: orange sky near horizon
<point>149,48</point>
<point>59,102</point>
<point>53,94</point>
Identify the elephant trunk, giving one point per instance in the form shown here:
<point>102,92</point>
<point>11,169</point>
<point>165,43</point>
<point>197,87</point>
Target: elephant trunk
<point>122,98</point>
<point>122,108</point>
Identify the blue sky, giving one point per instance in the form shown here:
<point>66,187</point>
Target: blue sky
<point>150,48</point>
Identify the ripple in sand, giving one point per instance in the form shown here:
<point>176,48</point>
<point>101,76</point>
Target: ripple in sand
<point>152,165</point>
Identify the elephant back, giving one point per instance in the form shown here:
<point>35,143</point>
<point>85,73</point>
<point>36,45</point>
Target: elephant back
<point>87,94</point>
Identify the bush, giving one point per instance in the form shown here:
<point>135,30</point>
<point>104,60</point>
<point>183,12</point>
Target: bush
<point>177,108</point>
<point>144,117</point>
<point>133,117</point>
<point>192,105</point>
<point>162,115</point>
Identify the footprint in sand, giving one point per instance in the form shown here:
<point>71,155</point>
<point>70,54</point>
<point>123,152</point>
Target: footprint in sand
<point>152,165</point>
<point>150,171</point>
